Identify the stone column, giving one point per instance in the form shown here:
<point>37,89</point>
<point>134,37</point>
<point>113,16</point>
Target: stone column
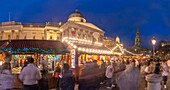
<point>13,34</point>
<point>45,34</point>
<point>87,34</point>
<point>91,36</point>
<point>69,32</point>
<point>2,33</point>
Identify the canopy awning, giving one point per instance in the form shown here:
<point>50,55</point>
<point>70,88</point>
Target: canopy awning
<point>52,46</point>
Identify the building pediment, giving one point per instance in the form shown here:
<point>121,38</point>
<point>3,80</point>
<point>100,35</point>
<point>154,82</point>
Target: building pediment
<point>82,25</point>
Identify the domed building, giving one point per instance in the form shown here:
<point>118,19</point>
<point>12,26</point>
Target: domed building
<point>77,16</point>
<point>84,37</point>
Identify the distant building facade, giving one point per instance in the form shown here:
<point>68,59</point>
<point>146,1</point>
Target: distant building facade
<point>16,30</point>
<point>164,48</point>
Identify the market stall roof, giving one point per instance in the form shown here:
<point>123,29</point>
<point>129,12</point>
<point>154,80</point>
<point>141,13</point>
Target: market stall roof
<point>3,43</point>
<point>42,44</point>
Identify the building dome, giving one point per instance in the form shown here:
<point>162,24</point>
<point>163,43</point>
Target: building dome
<point>77,16</point>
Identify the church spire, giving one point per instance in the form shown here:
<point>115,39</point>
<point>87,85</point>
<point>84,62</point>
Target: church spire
<point>138,38</point>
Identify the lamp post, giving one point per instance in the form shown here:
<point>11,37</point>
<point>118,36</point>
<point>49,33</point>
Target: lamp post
<point>153,43</point>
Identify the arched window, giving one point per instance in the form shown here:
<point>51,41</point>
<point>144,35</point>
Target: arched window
<point>51,37</point>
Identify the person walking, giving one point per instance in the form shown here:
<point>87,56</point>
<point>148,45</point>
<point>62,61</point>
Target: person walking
<point>129,78</point>
<point>6,77</point>
<point>57,74</point>
<point>43,82</point>
<point>164,73</point>
<point>30,75</point>
<point>68,79</point>
<point>109,74</point>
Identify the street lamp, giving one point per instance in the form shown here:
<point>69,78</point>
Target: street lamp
<point>153,43</point>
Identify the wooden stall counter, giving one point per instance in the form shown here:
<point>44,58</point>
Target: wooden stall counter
<point>18,84</point>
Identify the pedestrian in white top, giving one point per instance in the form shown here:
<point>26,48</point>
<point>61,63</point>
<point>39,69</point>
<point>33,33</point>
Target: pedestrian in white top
<point>6,77</point>
<point>164,72</point>
<point>109,74</point>
<point>30,75</point>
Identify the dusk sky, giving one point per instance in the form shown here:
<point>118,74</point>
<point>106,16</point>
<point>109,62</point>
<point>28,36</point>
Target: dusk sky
<point>115,17</point>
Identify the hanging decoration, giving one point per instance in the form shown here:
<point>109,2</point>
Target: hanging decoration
<point>39,50</point>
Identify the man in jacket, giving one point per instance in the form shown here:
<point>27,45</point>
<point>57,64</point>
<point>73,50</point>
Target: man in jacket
<point>30,76</point>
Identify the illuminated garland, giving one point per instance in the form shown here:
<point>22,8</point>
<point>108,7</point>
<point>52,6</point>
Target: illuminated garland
<point>34,50</point>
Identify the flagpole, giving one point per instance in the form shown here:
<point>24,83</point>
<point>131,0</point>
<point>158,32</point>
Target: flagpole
<point>9,15</point>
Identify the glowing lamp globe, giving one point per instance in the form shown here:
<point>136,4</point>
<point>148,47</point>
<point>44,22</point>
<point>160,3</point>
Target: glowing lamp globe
<point>153,41</point>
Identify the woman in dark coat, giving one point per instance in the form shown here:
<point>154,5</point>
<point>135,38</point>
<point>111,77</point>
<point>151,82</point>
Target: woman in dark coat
<point>68,79</point>
<point>56,75</point>
<point>43,82</point>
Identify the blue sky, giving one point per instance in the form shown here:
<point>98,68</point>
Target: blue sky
<point>115,17</point>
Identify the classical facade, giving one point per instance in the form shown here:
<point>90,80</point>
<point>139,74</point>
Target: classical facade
<point>83,35</point>
<point>77,27</point>
<point>16,30</point>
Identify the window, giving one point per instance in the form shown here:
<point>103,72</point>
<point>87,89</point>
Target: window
<point>17,36</point>
<point>9,37</point>
<point>57,37</point>
<point>73,34</point>
<point>33,37</point>
<point>25,37</point>
<point>51,37</point>
<point>84,36</point>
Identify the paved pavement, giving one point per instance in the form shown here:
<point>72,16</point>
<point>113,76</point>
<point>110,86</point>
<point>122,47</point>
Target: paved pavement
<point>142,85</point>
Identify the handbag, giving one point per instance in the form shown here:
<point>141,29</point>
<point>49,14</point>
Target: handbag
<point>56,75</point>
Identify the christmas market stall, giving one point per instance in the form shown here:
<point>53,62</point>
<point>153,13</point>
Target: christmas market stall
<point>48,51</point>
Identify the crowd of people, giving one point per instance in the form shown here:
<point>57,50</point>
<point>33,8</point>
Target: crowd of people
<point>125,74</point>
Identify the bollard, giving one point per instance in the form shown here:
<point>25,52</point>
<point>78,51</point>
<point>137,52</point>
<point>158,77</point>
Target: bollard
<point>154,81</point>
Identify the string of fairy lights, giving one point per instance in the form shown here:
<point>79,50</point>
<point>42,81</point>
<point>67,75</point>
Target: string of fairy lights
<point>70,41</point>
